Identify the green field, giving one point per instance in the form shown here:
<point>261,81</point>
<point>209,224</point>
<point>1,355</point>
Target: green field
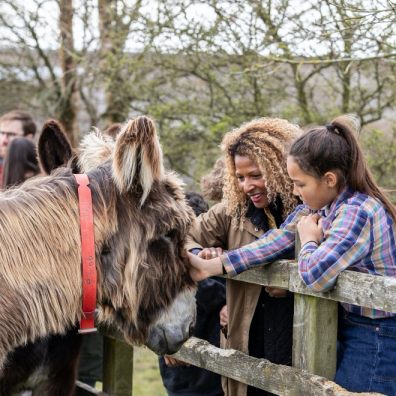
<point>146,378</point>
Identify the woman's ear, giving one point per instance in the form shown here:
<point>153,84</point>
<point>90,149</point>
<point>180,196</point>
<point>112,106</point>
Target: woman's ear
<point>331,179</point>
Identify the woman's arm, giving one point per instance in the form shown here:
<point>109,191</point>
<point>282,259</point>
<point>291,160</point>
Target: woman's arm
<point>201,269</point>
<point>210,229</point>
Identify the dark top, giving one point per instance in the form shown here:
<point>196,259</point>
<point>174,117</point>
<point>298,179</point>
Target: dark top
<point>271,330</point>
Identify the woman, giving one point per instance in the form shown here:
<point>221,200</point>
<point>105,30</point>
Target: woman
<point>258,195</point>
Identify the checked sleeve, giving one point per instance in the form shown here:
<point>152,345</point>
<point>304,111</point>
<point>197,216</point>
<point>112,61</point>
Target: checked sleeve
<point>273,245</point>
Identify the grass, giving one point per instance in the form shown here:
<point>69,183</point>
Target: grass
<point>146,377</point>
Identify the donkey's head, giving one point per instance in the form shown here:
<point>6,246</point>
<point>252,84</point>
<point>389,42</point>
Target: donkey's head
<point>141,221</point>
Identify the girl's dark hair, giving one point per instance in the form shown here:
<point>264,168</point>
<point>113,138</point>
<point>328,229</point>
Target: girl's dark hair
<point>335,147</point>
<point>21,157</point>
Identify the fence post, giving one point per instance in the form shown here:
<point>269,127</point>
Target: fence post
<point>315,333</point>
<point>117,367</point>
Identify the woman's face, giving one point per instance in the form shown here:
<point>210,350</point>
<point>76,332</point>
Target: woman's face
<point>251,180</point>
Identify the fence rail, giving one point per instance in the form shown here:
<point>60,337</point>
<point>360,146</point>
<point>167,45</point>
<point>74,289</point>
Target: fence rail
<point>352,287</point>
<point>314,337</point>
<point>261,373</point>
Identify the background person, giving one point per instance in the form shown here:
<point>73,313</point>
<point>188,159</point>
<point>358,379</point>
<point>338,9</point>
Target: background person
<point>212,183</point>
<point>20,162</point>
<point>16,123</point>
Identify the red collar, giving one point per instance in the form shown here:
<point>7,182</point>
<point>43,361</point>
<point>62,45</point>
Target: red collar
<point>87,321</point>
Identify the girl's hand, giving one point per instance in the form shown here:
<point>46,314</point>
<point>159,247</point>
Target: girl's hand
<point>209,253</point>
<point>310,228</point>
<point>201,269</point>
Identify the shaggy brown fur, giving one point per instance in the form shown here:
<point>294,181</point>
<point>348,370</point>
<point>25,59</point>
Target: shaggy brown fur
<point>139,238</point>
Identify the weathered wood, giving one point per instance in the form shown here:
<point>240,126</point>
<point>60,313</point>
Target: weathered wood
<point>278,379</point>
<point>276,274</point>
<point>117,367</point>
<point>352,287</point>
<point>315,335</point>
<point>89,389</point>
<point>315,323</point>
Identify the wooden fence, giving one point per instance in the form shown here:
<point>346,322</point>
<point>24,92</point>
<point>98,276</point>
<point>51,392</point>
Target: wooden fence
<point>314,337</point>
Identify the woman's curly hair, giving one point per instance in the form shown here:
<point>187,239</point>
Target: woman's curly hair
<point>266,142</point>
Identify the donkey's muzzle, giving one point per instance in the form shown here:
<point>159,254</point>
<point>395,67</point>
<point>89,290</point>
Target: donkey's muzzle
<point>175,326</point>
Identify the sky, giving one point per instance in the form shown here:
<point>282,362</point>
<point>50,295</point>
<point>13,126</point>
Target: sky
<point>43,14</point>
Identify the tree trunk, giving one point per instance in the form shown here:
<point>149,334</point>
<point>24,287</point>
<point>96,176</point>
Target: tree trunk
<point>68,108</point>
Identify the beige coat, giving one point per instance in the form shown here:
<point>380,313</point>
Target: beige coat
<point>214,229</point>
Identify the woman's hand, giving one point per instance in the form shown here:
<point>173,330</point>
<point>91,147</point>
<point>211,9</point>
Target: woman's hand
<point>172,362</point>
<point>310,229</point>
<point>201,269</point>
<point>209,253</point>
<point>224,316</point>
<point>276,292</point>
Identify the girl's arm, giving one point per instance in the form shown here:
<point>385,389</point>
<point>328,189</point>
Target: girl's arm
<point>347,242</point>
<point>273,245</point>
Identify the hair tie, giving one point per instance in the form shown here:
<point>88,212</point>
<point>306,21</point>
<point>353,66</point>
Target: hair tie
<point>332,129</point>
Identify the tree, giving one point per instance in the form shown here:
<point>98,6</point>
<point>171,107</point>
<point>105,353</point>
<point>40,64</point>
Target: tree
<point>201,68</point>
<point>25,32</point>
<point>69,92</point>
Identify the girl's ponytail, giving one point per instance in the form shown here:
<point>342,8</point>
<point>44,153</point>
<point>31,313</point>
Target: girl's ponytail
<point>360,177</point>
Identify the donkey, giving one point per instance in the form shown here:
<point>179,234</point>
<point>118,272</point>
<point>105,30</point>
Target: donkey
<point>141,219</point>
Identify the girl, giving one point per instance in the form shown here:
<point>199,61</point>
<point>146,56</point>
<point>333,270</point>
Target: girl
<point>258,195</point>
<point>346,222</point>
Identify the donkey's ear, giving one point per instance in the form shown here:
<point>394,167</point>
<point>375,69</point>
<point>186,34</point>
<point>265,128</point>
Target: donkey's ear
<point>137,161</point>
<point>54,148</point>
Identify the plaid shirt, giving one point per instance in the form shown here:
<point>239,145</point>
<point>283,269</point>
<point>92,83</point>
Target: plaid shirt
<point>359,235</point>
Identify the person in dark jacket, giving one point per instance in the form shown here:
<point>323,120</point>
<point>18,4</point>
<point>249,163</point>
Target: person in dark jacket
<point>183,380</point>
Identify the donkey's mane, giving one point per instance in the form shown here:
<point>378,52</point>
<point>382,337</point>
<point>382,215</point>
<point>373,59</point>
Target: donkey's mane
<point>44,206</point>
<point>95,149</point>
<point>26,214</point>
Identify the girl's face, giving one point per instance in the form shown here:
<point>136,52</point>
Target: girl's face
<point>314,192</point>
<point>251,181</point>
